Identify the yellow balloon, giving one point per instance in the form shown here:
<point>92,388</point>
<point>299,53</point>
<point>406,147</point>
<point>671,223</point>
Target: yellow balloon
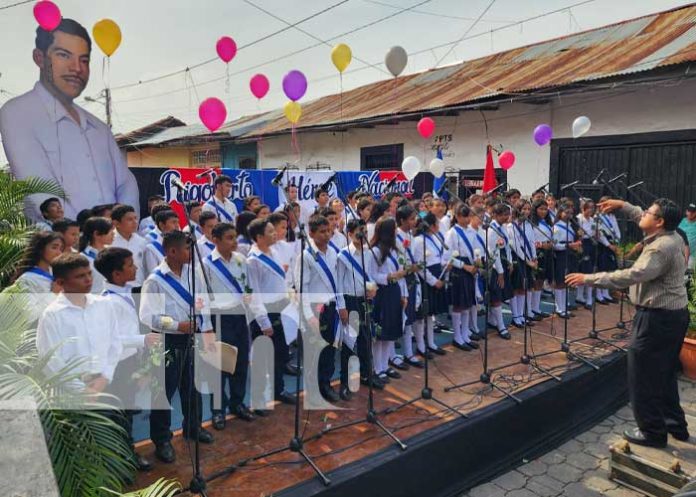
<point>107,35</point>
<point>293,111</point>
<point>341,56</point>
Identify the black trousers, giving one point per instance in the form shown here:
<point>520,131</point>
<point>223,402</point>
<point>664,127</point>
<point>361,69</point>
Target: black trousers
<point>363,342</point>
<point>177,371</point>
<point>653,360</point>
<point>281,353</point>
<point>233,331</point>
<point>326,360</point>
<point>124,388</point>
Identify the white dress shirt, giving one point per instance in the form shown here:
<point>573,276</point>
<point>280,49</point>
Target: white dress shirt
<point>434,254</point>
<point>98,279</point>
<point>338,241</point>
<point>316,284</point>
<point>205,247</point>
<point>455,243</point>
<point>495,233</point>
<point>36,288</point>
<point>286,253</point>
<point>160,307</point>
<point>562,235</point>
<point>543,232</point>
<point>121,299</point>
<point>196,228</point>
<point>610,228</point>
<point>243,245</point>
<point>516,234</point>
<point>225,295</point>
<point>225,211</point>
<point>350,281</point>
<point>42,140</point>
<point>90,334</point>
<point>137,245</point>
<point>152,255</point>
<point>381,271</point>
<point>146,225</point>
<point>268,286</point>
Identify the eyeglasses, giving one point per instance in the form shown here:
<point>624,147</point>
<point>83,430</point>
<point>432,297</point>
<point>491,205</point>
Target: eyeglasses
<point>656,216</point>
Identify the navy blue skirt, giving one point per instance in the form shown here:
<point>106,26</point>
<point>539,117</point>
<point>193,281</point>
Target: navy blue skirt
<point>500,294</point>
<point>388,313</point>
<point>520,270</point>
<point>462,290</point>
<point>545,261</point>
<point>564,264</point>
<point>607,259</point>
<point>412,283</point>
<point>587,261</point>
<point>437,298</point>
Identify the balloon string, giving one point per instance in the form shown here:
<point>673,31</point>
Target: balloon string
<point>259,152</point>
<point>340,75</point>
<point>227,78</point>
<point>295,144</point>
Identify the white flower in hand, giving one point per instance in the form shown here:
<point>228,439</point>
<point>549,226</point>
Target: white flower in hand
<point>455,254</point>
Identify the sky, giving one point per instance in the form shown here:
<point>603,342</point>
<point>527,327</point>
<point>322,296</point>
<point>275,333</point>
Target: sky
<point>162,37</point>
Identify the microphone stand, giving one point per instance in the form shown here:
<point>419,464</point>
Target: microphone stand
<point>426,392</point>
<point>486,378</point>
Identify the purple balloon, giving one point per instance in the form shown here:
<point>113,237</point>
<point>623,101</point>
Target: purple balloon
<point>543,134</point>
<point>294,85</point>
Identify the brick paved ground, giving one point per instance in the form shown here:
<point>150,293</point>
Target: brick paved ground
<point>578,468</point>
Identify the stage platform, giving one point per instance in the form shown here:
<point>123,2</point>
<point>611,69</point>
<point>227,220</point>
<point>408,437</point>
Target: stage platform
<point>446,452</point>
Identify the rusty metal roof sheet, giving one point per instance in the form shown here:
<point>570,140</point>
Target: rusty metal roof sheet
<point>631,46</point>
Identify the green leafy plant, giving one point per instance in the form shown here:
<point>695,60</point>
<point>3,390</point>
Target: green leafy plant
<point>691,333</point>
<point>161,488</point>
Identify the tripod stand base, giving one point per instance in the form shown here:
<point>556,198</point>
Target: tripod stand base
<point>621,325</point>
<point>296,446</point>
<point>197,486</point>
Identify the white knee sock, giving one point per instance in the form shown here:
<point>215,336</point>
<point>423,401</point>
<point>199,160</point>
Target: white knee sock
<point>530,304</point>
<point>391,350</point>
<point>465,330</point>
<point>498,312</point>
<point>581,293</point>
<point>536,301</point>
<point>560,299</point>
<point>473,319</point>
<point>430,333</point>
<point>377,356</point>
<point>588,295</point>
<point>605,294</point>
<point>457,327</point>
<point>418,329</point>
<point>406,344</point>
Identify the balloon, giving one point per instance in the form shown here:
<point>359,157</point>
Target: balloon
<point>226,48</point>
<point>107,34</point>
<point>341,56</point>
<point>437,167</point>
<point>543,134</point>
<point>581,125</point>
<point>212,113</point>
<point>506,160</point>
<point>426,127</point>
<point>259,85</point>
<point>294,85</point>
<point>47,14</point>
<point>396,60</point>
<point>293,111</point>
<point>411,167</point>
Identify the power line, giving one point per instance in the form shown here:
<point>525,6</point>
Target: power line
<point>468,30</point>
<point>16,4</point>
<point>271,14</point>
<point>436,14</point>
<point>241,47</point>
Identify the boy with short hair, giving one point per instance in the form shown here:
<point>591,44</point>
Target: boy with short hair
<point>194,209</point>
<point>167,221</point>
<point>338,239</point>
<point>52,211</point>
<point>125,222</point>
<point>70,231</point>
<point>147,224</point>
<point>207,220</point>
<point>220,204</point>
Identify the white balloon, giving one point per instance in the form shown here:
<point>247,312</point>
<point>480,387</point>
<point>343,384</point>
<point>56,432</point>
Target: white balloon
<point>437,167</point>
<point>581,125</point>
<point>410,167</point>
<point>396,60</point>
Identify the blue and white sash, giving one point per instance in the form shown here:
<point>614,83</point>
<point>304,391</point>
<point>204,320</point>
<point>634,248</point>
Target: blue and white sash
<point>273,265</point>
<point>437,247</point>
<point>124,296</point>
<point>545,225</point>
<point>358,269</point>
<point>180,294</point>
<point>90,253</point>
<point>527,247</point>
<point>334,246</point>
<point>153,235</point>
<point>571,235</point>
<point>40,272</point>
<point>224,274</point>
<point>463,237</point>
<point>220,211</point>
<point>408,249</point>
<point>211,246</point>
<point>327,272</point>
<point>158,246</point>
<point>607,222</point>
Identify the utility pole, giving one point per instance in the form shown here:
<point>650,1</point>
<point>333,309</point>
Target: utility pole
<point>107,94</point>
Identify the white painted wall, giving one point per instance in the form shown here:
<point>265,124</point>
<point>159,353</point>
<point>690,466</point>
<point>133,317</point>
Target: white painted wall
<point>636,110</point>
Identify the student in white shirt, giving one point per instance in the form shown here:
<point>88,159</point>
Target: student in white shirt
<point>523,251</point>
<point>338,239</point>
<point>284,251</point>
<point>125,222</point>
<point>51,211</point>
<point>166,222</point>
<point>291,198</point>
<point>319,279</point>
<point>565,249</point>
<point>194,210</point>
<point>219,203</point>
<point>444,221</point>
<point>270,293</point>
<point>47,135</point>
<point>543,241</point>
<point>208,220</point>
<point>80,327</point>
<point>69,230</point>
<point>97,234</point>
<point>587,223</point>
<point>229,281</point>
<point>147,224</point>
<point>262,211</point>
<point>379,209</point>
<point>499,284</point>
<point>34,277</point>
<point>244,242</point>
<point>609,241</point>
<point>164,308</point>
<point>118,267</point>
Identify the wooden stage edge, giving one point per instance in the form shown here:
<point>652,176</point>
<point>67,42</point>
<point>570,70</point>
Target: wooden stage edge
<point>446,452</point>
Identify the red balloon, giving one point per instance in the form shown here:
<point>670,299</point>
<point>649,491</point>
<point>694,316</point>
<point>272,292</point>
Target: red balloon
<point>212,113</point>
<point>506,160</point>
<point>226,48</point>
<point>426,127</point>
<point>259,85</point>
<point>47,14</point>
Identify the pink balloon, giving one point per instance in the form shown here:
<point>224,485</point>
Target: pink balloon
<point>212,113</point>
<point>47,14</point>
<point>426,127</point>
<point>226,48</point>
<point>259,85</point>
<point>506,160</point>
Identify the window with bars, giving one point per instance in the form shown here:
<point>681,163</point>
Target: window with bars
<point>381,157</point>
<point>205,157</point>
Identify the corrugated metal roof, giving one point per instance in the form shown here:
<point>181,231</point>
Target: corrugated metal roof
<point>632,46</point>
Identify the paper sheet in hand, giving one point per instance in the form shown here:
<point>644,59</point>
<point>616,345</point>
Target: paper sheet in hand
<point>223,358</point>
<point>290,316</point>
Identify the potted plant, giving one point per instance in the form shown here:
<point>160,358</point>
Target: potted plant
<point>688,351</point>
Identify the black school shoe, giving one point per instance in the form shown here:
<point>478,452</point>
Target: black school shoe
<point>462,346</point>
<point>635,436</point>
<point>504,334</point>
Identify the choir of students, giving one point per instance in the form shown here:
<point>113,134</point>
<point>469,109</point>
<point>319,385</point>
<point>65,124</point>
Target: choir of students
<point>397,264</point>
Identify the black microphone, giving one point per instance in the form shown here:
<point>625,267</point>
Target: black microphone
<point>569,185</point>
<point>207,172</point>
<point>442,188</point>
<point>279,177</point>
<point>501,185</point>
<point>634,185</point>
<point>622,175</point>
<point>596,180</point>
<point>542,187</point>
<point>391,183</point>
<point>328,182</point>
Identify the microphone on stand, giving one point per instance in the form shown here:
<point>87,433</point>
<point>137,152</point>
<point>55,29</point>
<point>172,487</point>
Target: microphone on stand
<point>328,182</point>
<point>501,185</point>
<point>599,176</point>
<point>622,175</point>
<point>569,185</point>
<point>542,188</point>
<point>207,172</point>
<point>390,184</point>
<point>634,185</point>
<point>279,177</point>
<point>443,186</point>
<point>177,182</point>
